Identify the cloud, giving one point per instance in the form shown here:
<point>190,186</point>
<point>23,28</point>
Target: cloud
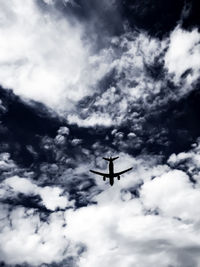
<point>188,162</point>
<point>6,164</point>
<point>54,61</point>
<point>52,197</point>
<point>55,210</point>
<point>173,194</point>
<point>148,74</point>
<point>130,84</point>
<point>27,239</point>
<point>158,227</point>
<point>183,56</point>
<point>148,217</point>
<point>45,58</point>
<point>91,121</point>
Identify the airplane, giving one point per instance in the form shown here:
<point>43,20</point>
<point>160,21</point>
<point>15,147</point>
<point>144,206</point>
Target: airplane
<point>111,175</point>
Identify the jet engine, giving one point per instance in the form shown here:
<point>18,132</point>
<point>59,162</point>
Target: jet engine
<point>104,178</point>
<point>118,177</point>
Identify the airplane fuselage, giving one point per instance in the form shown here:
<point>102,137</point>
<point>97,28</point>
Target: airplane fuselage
<point>111,168</point>
<point>111,180</point>
<point>111,172</point>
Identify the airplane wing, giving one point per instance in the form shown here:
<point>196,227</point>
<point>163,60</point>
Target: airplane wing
<point>119,173</point>
<point>100,173</point>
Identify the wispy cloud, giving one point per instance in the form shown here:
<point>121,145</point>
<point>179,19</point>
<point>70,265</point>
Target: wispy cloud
<point>44,57</point>
<point>182,57</point>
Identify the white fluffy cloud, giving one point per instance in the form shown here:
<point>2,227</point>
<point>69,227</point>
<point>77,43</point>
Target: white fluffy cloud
<point>173,194</point>
<point>119,233</point>
<point>131,83</point>
<point>159,226</point>
<point>136,81</point>
<point>52,197</point>
<point>92,120</point>
<point>43,56</point>
<point>49,58</point>
<point>183,54</point>
<point>25,238</point>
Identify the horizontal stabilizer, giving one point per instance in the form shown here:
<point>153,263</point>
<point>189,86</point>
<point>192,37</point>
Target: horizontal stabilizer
<point>110,159</point>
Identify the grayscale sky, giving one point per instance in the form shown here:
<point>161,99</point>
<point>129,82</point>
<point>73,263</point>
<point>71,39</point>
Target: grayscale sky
<point>86,79</point>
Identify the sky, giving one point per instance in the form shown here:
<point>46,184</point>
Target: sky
<point>86,79</point>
